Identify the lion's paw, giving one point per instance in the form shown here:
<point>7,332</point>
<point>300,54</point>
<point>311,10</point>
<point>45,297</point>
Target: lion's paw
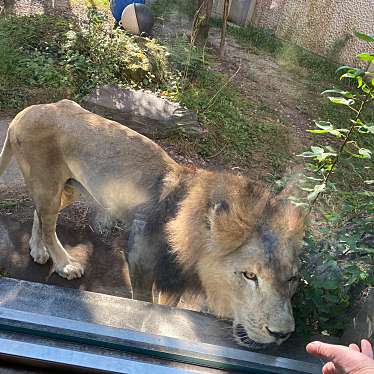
<point>39,253</point>
<point>71,270</point>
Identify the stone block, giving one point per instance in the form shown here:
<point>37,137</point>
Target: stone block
<point>142,111</point>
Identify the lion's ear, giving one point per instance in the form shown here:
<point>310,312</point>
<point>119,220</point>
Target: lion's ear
<point>221,207</point>
<point>295,218</point>
<point>289,220</point>
<point>216,210</point>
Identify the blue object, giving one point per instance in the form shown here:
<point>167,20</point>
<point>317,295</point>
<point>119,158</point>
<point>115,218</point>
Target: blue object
<point>117,7</point>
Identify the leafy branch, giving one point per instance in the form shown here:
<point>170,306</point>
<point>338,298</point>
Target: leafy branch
<point>326,160</point>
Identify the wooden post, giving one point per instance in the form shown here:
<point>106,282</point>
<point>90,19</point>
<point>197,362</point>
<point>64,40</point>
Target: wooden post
<point>202,21</point>
<point>226,13</point>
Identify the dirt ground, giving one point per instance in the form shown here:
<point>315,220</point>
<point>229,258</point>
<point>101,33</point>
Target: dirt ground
<point>106,268</point>
<point>258,76</point>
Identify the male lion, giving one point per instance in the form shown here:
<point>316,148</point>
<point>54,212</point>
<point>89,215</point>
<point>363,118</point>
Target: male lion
<point>189,230</point>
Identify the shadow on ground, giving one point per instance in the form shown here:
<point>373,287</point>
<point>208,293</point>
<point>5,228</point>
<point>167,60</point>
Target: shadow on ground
<point>106,268</point>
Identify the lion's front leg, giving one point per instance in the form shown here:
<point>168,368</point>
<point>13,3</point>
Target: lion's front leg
<point>168,298</point>
<point>140,261</point>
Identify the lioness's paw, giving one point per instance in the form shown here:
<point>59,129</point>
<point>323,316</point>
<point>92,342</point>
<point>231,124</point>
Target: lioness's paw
<point>71,270</point>
<point>39,253</point>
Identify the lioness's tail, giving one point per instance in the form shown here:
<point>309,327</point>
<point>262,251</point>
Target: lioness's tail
<point>6,155</point>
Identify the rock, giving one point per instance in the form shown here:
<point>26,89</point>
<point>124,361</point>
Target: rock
<point>142,111</point>
<point>362,324</point>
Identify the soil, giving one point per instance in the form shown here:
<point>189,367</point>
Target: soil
<point>258,76</point>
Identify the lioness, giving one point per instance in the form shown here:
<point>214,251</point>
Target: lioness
<point>189,230</point>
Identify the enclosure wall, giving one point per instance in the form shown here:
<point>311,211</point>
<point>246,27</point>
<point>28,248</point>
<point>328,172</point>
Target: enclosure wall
<point>322,26</point>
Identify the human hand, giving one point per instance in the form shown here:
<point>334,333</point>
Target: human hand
<point>344,360</point>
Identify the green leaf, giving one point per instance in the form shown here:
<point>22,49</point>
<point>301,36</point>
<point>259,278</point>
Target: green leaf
<point>341,101</point>
<point>358,122</point>
<point>324,125</point>
<point>316,191</point>
<point>365,37</point>
<point>353,73</point>
<point>347,75</point>
<point>341,68</point>
<point>306,154</point>
<point>366,153</point>
<point>317,150</point>
<point>318,153</point>
<point>327,128</point>
<point>370,129</point>
<point>366,89</point>
<point>366,57</point>
<point>346,94</point>
<point>360,82</point>
<point>318,131</point>
<point>358,72</point>
<point>336,133</point>
<point>323,156</point>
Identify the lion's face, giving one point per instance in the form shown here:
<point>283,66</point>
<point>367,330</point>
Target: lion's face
<point>250,270</point>
<point>262,286</point>
<point>243,242</point>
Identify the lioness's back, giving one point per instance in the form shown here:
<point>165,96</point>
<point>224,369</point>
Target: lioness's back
<point>68,120</point>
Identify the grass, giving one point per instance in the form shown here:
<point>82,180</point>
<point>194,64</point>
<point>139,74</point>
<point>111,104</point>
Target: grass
<point>46,58</point>
<point>236,134</point>
<point>163,8</point>
<point>27,47</point>
<point>9,203</point>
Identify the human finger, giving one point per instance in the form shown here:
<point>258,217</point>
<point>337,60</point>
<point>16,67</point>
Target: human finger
<point>329,368</point>
<point>366,348</point>
<point>354,347</point>
<point>328,352</point>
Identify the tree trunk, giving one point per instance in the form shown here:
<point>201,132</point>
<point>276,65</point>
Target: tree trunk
<point>201,23</point>
<point>226,12</point>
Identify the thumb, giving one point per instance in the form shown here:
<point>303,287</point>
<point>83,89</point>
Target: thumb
<point>328,352</point>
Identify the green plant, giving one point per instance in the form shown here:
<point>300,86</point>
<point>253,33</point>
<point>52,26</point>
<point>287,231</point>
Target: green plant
<point>339,256</point>
<point>49,58</point>
<point>236,133</point>
<point>325,159</point>
<point>338,262</point>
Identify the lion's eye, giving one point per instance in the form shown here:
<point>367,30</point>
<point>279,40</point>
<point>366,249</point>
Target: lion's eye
<point>249,276</point>
<point>293,279</point>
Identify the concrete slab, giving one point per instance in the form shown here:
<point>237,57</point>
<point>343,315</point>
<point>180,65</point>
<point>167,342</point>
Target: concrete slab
<point>131,314</point>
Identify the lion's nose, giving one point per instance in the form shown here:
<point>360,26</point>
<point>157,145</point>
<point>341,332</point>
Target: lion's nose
<point>279,334</point>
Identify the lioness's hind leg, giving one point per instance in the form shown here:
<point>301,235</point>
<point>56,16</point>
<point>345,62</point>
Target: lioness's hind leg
<point>38,250</point>
<point>48,197</point>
